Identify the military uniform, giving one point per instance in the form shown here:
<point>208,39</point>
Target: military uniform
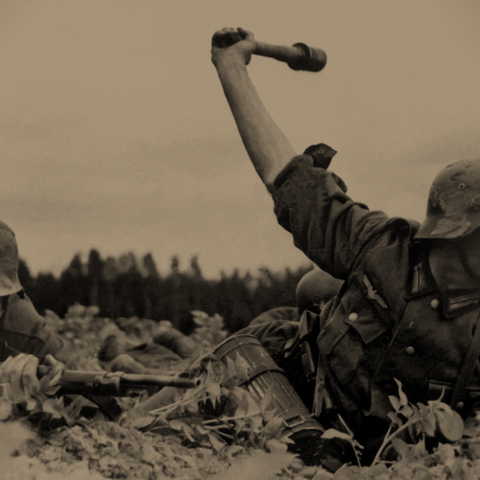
<point>23,330</point>
<point>390,319</point>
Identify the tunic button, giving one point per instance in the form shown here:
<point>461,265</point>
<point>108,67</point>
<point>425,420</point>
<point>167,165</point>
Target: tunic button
<point>409,350</point>
<point>435,303</point>
<point>353,316</point>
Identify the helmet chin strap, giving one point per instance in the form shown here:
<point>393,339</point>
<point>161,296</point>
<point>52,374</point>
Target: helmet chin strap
<point>465,260</point>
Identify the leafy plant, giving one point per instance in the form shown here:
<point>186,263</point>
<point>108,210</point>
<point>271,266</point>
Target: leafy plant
<point>215,429</point>
<point>210,330</point>
<point>219,412</point>
<point>435,418</point>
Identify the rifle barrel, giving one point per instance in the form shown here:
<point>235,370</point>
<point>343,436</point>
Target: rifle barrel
<point>114,383</point>
<point>159,380</point>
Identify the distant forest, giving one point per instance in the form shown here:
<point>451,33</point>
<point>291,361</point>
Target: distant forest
<point>128,286</point>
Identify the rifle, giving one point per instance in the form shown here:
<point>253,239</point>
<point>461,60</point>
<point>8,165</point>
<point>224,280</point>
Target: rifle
<point>115,384</point>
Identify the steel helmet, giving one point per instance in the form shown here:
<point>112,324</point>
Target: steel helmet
<point>314,287</point>
<point>453,208</point>
<point>9,282</point>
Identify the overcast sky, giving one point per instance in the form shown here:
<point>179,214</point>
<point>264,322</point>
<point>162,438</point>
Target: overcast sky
<point>115,133</point>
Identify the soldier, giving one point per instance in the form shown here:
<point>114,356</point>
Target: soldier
<point>25,338</point>
<point>277,325</point>
<point>409,307</point>
<point>315,289</point>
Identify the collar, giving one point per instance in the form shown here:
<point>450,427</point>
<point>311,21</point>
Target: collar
<point>421,280</point>
<point>454,302</point>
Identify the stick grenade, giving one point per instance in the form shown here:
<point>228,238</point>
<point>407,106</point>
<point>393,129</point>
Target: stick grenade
<point>298,57</point>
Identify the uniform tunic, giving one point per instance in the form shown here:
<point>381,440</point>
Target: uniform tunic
<point>23,330</point>
<point>390,319</point>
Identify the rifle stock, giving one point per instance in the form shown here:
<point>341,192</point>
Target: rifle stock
<point>117,384</point>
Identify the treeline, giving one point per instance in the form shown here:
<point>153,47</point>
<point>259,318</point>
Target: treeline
<point>127,287</point>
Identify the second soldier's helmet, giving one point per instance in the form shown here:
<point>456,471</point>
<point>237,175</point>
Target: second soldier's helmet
<point>9,282</point>
<point>453,208</point>
<point>315,287</point>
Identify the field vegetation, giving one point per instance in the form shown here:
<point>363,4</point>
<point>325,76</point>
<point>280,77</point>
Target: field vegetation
<point>216,430</point>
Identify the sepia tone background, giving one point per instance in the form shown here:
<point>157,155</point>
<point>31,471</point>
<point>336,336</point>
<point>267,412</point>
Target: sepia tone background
<point>115,134</point>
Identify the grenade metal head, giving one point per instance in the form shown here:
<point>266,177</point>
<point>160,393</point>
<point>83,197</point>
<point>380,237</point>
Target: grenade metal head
<point>453,208</point>
<point>311,59</point>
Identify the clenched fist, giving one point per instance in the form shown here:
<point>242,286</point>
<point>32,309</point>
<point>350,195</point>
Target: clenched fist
<point>233,42</point>
<point>18,377</point>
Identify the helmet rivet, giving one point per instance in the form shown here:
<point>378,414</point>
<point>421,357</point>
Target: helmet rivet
<point>461,186</point>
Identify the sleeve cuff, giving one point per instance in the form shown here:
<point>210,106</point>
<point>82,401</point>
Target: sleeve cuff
<point>289,169</point>
<point>318,156</point>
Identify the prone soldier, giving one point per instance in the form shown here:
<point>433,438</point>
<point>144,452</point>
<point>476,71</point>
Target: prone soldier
<point>27,343</point>
<point>276,326</point>
<point>25,338</point>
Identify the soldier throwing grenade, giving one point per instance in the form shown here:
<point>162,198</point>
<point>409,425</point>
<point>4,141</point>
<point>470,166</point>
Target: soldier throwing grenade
<point>409,307</point>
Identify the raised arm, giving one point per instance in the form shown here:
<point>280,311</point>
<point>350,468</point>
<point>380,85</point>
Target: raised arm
<point>266,145</point>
